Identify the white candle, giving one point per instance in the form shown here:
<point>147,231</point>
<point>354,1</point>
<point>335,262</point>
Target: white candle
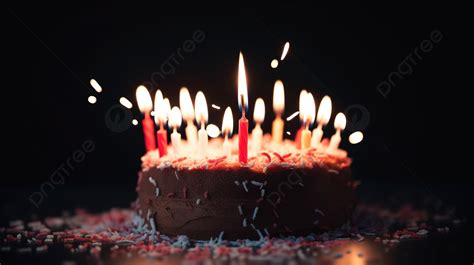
<point>227,128</point>
<point>187,109</point>
<point>339,125</point>
<point>323,117</point>
<point>175,122</point>
<point>201,118</point>
<point>257,132</point>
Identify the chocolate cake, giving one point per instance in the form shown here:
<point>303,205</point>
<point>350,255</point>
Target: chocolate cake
<point>284,191</point>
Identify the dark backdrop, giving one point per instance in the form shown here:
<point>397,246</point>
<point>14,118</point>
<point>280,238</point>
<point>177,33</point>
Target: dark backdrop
<point>345,53</point>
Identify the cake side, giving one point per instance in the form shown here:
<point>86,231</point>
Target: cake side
<point>244,202</point>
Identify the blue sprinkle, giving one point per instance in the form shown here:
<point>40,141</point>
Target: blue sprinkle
<point>253,226</point>
<point>266,232</point>
<point>262,193</point>
<point>244,223</point>
<point>260,234</point>
<point>255,213</point>
<point>240,210</point>
<point>220,237</point>
<point>256,183</point>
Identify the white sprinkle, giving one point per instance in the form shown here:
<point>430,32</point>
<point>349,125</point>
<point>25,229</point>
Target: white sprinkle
<point>255,213</point>
<point>148,214</point>
<point>96,86</point>
<point>286,48</point>
<point>292,116</point>
<point>92,99</point>
<point>125,102</point>
<point>253,226</point>
<point>319,211</point>
<point>198,201</point>
<point>288,133</point>
<point>135,122</point>
<point>266,232</point>
<point>260,234</point>
<point>333,171</point>
<point>422,232</point>
<point>152,224</point>
<point>274,63</point>
<point>244,223</point>
<point>176,174</point>
<point>237,183</point>
<point>240,210</point>
<point>301,184</point>
<point>220,236</point>
<point>152,181</point>
<point>244,183</point>
<point>48,241</point>
<point>262,193</point>
<point>157,192</point>
<point>256,183</point>
<point>215,106</point>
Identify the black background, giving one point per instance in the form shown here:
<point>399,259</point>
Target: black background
<point>342,52</point>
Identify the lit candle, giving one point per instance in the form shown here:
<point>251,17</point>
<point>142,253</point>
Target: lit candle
<point>161,115</point>
<point>278,107</point>
<point>145,105</point>
<point>309,113</point>
<point>227,128</point>
<point>201,111</point>
<point>324,114</point>
<point>258,117</point>
<point>300,130</point>
<point>187,109</point>
<point>243,104</point>
<point>339,125</point>
<point>175,122</point>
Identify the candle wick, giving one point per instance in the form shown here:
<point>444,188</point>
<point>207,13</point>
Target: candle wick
<point>243,104</point>
<point>161,125</point>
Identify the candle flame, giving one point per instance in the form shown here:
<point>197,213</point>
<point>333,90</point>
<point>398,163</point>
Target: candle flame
<point>228,121</point>
<point>286,48</point>
<point>356,137</point>
<point>160,108</point>
<point>125,102</point>
<point>302,101</point>
<point>144,99</point>
<point>96,86</point>
<point>213,131</point>
<point>175,117</point>
<point>166,103</point>
<point>200,105</point>
<point>324,111</point>
<point>259,111</point>
<point>242,84</point>
<point>340,121</point>
<point>309,110</point>
<point>186,104</point>
<point>278,97</point>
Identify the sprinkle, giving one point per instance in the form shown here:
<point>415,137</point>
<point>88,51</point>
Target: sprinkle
<point>185,195</point>
<point>198,201</point>
<point>260,234</point>
<point>256,183</point>
<point>237,183</point>
<point>244,183</point>
<point>206,194</point>
<point>266,231</point>
<point>276,214</point>
<point>262,193</point>
<point>157,192</point>
<point>176,174</point>
<point>152,181</point>
<point>152,224</point>
<point>333,171</point>
<point>244,223</point>
<point>279,156</point>
<point>269,158</point>
<point>292,116</point>
<point>220,236</point>
<point>255,213</point>
<point>301,184</point>
<point>215,106</point>
<point>170,195</point>
<point>259,200</point>
<point>253,226</point>
<point>319,212</point>
<point>240,210</point>
<point>422,232</point>
<point>288,133</point>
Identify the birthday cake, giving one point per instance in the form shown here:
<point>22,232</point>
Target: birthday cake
<point>281,190</point>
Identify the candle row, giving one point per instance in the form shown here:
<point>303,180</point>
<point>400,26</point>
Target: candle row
<point>163,113</point>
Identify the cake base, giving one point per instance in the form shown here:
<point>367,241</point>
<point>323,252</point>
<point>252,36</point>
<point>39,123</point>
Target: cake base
<point>243,203</point>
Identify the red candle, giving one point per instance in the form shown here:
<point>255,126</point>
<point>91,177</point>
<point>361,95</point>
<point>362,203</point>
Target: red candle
<point>243,138</point>
<point>298,137</point>
<point>162,138</point>
<point>149,132</point>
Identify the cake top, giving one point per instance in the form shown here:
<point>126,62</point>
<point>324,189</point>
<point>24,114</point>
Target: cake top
<point>284,155</point>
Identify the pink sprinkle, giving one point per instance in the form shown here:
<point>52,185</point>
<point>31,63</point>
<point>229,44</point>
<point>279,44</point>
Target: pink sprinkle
<point>170,195</point>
